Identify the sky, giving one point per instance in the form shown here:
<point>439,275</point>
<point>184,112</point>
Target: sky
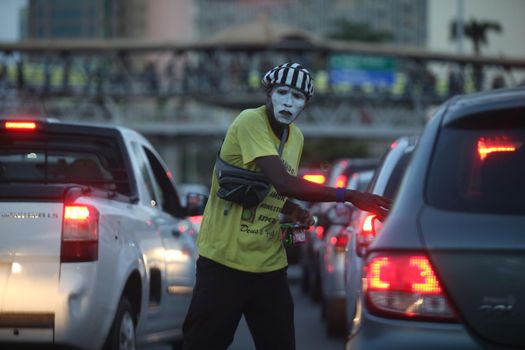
<point>509,13</point>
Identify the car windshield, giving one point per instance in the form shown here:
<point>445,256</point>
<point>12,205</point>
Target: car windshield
<point>479,169</point>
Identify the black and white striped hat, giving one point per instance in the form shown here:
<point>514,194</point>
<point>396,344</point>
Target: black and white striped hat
<point>290,74</point>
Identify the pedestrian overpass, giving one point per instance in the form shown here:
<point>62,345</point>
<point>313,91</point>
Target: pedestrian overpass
<point>184,96</point>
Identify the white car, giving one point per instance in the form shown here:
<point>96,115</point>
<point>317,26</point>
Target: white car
<point>93,252</point>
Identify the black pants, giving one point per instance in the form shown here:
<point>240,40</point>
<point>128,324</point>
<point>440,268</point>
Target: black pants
<point>222,295</point>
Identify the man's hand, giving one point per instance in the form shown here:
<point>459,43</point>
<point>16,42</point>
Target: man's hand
<point>372,203</point>
<point>303,216</point>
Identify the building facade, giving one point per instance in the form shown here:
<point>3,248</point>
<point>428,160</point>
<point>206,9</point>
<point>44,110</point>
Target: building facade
<point>406,20</point>
<point>85,19</point>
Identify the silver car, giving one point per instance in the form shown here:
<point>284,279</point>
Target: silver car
<point>447,269</point>
<point>339,176</point>
<point>332,257</point>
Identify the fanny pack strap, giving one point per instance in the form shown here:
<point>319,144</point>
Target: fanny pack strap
<point>283,141</point>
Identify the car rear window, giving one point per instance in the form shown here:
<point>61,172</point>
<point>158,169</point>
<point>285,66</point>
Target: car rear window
<point>79,159</point>
<point>480,167</point>
<point>394,181</point>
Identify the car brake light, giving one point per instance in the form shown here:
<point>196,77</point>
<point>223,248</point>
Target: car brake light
<point>319,231</point>
<point>316,178</point>
<point>487,146</point>
<point>405,285</point>
<point>340,241</point>
<point>367,233</point>
<point>393,144</point>
<point>196,220</point>
<point>79,234</point>
<point>19,125</point>
<point>341,181</point>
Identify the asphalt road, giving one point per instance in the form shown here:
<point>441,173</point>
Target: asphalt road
<point>310,331</point>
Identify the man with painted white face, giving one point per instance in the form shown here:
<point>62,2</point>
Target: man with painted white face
<point>241,269</point>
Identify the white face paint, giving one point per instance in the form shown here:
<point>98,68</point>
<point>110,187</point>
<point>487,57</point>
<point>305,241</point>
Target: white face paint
<point>287,103</point>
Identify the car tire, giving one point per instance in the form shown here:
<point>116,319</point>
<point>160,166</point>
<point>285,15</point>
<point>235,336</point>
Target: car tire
<point>177,344</point>
<point>315,287</point>
<point>335,318</point>
<point>122,333</point>
<point>323,309</point>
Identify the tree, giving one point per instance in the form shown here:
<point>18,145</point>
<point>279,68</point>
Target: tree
<point>476,31</point>
<point>350,31</point>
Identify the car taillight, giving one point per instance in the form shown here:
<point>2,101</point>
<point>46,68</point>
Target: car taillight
<point>406,286</point>
<point>20,125</point>
<point>341,181</point>
<point>315,178</point>
<point>339,241</point>
<point>488,145</point>
<point>319,232</point>
<point>367,233</point>
<point>196,220</point>
<point>79,234</point>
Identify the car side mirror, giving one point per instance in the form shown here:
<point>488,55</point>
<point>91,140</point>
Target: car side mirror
<point>195,203</point>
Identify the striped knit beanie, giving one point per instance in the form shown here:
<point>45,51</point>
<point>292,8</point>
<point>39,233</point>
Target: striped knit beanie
<point>290,74</point>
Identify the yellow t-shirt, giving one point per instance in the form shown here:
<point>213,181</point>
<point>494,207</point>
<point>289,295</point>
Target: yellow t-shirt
<point>249,239</point>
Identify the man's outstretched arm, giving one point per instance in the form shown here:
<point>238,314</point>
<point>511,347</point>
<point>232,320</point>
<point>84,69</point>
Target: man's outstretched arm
<point>298,188</point>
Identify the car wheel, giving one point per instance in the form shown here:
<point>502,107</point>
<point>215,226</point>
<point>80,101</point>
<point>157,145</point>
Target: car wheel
<point>351,314</point>
<point>335,318</point>
<point>122,333</point>
<point>177,344</point>
<point>315,287</point>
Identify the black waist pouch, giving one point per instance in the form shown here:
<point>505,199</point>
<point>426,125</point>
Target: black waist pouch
<point>244,187</point>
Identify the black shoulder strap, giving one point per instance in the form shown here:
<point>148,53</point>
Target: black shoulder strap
<point>283,141</point>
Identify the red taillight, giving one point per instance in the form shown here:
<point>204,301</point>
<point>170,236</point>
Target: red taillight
<point>315,178</point>
<point>341,181</point>
<point>79,234</point>
<point>393,144</point>
<point>340,240</point>
<point>367,233</point>
<point>487,146</point>
<point>196,220</point>
<point>404,285</point>
<point>76,212</point>
<point>20,125</point>
<point>319,232</point>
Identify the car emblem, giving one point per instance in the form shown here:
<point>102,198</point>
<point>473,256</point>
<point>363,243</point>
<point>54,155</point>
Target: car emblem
<point>497,306</point>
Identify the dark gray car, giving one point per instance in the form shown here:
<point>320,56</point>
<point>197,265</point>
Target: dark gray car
<point>364,225</point>
<point>447,269</point>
